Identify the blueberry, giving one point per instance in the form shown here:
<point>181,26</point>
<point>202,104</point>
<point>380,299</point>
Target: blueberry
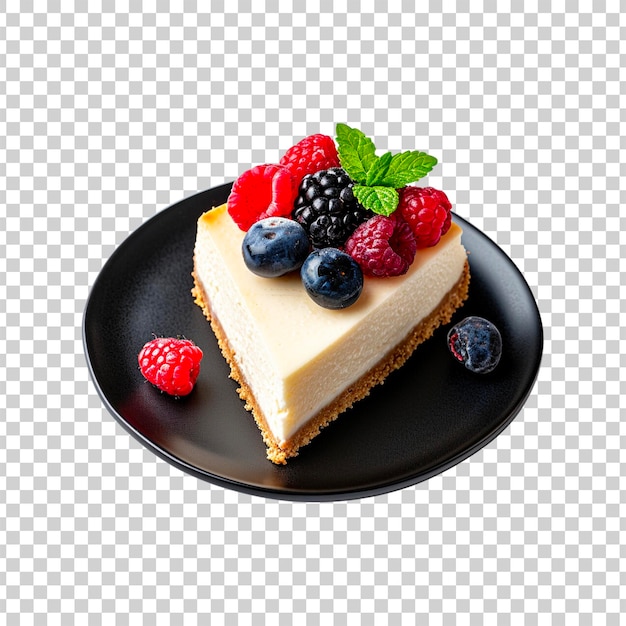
<point>476,343</point>
<point>332,278</point>
<point>275,246</point>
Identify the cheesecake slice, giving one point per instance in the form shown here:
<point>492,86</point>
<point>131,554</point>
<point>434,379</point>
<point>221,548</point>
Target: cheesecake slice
<point>299,366</point>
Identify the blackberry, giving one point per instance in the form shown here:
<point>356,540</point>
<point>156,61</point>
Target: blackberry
<point>327,208</point>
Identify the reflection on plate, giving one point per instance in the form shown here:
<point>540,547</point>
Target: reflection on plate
<point>427,417</point>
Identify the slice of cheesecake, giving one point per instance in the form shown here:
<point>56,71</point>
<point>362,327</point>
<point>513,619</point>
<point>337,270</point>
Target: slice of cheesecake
<point>299,365</point>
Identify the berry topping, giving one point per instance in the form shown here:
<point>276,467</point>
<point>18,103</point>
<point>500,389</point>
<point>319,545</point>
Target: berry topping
<point>313,153</point>
<point>476,343</point>
<point>327,209</point>
<point>383,246</point>
<point>427,212</point>
<point>172,365</point>
<point>263,191</point>
<point>332,278</point>
<point>274,246</point>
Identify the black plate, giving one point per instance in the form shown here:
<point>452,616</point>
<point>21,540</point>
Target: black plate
<point>427,417</point>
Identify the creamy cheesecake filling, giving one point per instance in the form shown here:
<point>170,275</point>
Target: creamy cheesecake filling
<point>295,356</point>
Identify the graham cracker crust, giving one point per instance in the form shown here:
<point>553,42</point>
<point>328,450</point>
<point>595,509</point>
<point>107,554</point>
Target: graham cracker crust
<point>393,360</point>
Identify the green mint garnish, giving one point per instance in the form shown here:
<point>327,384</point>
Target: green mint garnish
<point>407,167</point>
<point>377,178</point>
<point>357,152</point>
<point>378,170</point>
<point>381,200</point>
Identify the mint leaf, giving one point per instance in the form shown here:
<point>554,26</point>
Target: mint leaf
<point>381,200</point>
<point>357,152</point>
<point>378,170</point>
<point>378,178</point>
<point>405,168</point>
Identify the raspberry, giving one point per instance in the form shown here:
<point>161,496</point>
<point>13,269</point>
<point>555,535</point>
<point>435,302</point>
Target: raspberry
<point>172,365</point>
<point>313,153</point>
<point>383,246</point>
<point>264,191</point>
<point>327,209</point>
<point>427,211</point>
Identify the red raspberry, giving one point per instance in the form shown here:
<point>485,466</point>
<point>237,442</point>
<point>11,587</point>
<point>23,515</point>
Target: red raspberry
<point>427,211</point>
<point>383,246</point>
<point>171,364</point>
<point>312,154</point>
<point>263,191</point>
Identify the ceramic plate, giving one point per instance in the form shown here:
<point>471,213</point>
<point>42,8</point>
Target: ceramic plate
<point>427,417</point>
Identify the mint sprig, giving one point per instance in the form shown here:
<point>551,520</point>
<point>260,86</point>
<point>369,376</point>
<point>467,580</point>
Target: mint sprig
<point>357,152</point>
<point>378,170</point>
<point>378,178</point>
<point>381,200</point>
<point>407,167</point>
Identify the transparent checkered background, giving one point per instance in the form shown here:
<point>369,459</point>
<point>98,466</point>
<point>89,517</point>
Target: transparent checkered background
<point>109,116</point>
